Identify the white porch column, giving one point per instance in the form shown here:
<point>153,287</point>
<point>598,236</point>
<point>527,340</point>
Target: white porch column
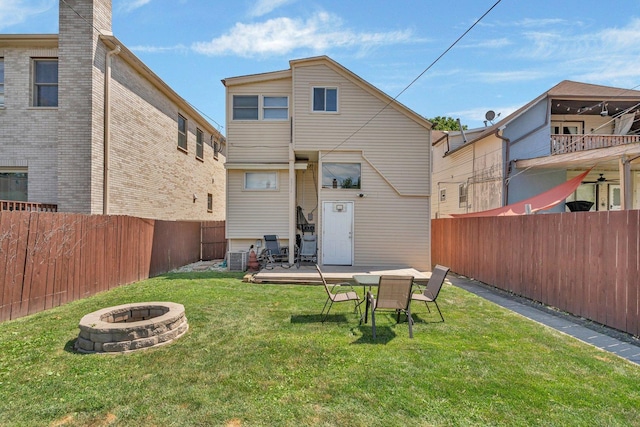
<point>626,199</point>
<point>292,204</point>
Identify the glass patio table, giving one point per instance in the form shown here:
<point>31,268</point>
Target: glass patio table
<point>366,280</point>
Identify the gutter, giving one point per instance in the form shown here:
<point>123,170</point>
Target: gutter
<point>505,167</point>
<point>107,127</point>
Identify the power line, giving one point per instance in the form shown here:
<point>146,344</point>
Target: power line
<point>394,99</point>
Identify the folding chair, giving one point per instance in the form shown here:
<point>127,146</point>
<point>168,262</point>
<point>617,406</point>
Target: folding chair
<point>338,297</point>
<point>394,293</point>
<point>431,292</point>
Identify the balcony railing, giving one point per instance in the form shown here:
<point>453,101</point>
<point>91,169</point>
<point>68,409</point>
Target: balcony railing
<point>561,144</point>
<point>9,205</point>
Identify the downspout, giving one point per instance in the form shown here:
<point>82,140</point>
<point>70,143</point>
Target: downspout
<point>505,168</point>
<point>107,127</point>
<point>292,198</point>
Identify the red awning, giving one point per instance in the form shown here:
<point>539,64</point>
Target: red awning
<point>542,201</point>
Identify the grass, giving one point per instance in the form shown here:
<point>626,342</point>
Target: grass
<point>257,355</point>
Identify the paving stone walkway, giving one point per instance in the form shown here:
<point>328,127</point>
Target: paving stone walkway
<point>607,339</point>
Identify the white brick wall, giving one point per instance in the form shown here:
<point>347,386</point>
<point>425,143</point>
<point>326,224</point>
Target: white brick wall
<point>63,147</point>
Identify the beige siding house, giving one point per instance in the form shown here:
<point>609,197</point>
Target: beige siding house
<point>570,129</point>
<point>86,126</point>
<point>319,138</point>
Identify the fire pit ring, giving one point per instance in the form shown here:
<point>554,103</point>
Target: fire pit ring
<point>130,327</point>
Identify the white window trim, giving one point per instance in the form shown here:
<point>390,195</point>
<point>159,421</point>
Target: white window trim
<point>274,188</point>
<point>263,108</point>
<point>325,101</point>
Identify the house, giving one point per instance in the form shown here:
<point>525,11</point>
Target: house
<point>568,130</point>
<point>89,128</point>
<point>316,149</point>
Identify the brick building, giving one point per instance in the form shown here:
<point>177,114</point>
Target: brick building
<point>85,125</point>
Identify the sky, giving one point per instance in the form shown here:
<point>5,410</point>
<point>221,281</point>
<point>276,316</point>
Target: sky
<point>406,48</point>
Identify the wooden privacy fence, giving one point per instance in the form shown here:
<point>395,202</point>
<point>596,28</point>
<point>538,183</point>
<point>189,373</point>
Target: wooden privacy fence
<point>48,259</point>
<point>584,263</point>
<point>214,244</point>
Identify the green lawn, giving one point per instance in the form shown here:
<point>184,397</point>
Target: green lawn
<point>257,355</point>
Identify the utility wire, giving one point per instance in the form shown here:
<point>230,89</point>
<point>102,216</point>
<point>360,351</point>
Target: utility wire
<point>394,99</point>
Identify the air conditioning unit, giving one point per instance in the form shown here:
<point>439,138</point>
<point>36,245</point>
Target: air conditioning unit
<point>238,260</point>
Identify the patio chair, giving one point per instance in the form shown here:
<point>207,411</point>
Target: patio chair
<point>394,293</point>
<point>273,253</point>
<point>308,249</point>
<point>431,291</point>
<point>337,297</point>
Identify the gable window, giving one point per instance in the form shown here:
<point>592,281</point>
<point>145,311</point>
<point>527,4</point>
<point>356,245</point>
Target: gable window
<point>182,132</point>
<point>341,175</point>
<point>462,195</point>
<point>275,108</point>
<point>45,83</point>
<point>245,107</point>
<point>209,202</point>
<point>1,82</point>
<point>325,99</point>
<point>13,184</point>
<point>199,144</point>
<point>261,181</point>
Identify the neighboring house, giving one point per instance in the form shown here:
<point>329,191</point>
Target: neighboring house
<point>318,137</point>
<point>572,128</point>
<point>124,144</point>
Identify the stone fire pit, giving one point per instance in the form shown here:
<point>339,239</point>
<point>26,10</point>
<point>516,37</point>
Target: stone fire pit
<point>129,327</point>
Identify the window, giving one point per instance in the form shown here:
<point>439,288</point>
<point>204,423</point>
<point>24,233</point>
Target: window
<point>462,195</point>
<point>275,108</point>
<point>261,180</point>
<point>567,128</point>
<point>45,83</point>
<point>209,202</point>
<point>341,175</point>
<point>325,99</point>
<point>13,184</point>
<point>1,82</point>
<point>245,107</point>
<point>182,132</point>
<point>199,144</point>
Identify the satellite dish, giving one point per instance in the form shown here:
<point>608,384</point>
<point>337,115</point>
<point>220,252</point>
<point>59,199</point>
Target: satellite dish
<point>490,115</point>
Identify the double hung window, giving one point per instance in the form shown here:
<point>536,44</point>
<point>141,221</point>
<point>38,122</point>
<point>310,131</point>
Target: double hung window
<point>182,132</point>
<point>245,107</point>
<point>1,82</point>
<point>199,144</point>
<point>45,83</point>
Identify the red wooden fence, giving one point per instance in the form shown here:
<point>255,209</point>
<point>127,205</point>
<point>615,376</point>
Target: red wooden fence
<point>214,244</point>
<point>584,263</point>
<point>48,259</point>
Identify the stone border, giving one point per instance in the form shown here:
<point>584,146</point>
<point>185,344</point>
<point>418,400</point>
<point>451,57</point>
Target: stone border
<point>128,327</point>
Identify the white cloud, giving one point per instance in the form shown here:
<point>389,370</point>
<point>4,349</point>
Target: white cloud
<point>130,5</point>
<point>510,76</point>
<point>14,12</point>
<point>262,7</point>
<point>160,49</point>
<point>283,35</point>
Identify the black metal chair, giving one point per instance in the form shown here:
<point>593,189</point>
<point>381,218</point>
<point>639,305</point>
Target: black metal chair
<point>432,290</point>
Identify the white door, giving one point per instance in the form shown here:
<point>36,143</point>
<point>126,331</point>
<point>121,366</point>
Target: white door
<point>614,197</point>
<point>337,233</point>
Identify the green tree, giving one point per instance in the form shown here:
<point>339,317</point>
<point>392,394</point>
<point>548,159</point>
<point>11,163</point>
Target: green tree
<point>445,123</point>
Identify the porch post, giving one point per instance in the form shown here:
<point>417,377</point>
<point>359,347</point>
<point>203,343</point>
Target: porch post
<point>292,204</point>
<point>625,184</point>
